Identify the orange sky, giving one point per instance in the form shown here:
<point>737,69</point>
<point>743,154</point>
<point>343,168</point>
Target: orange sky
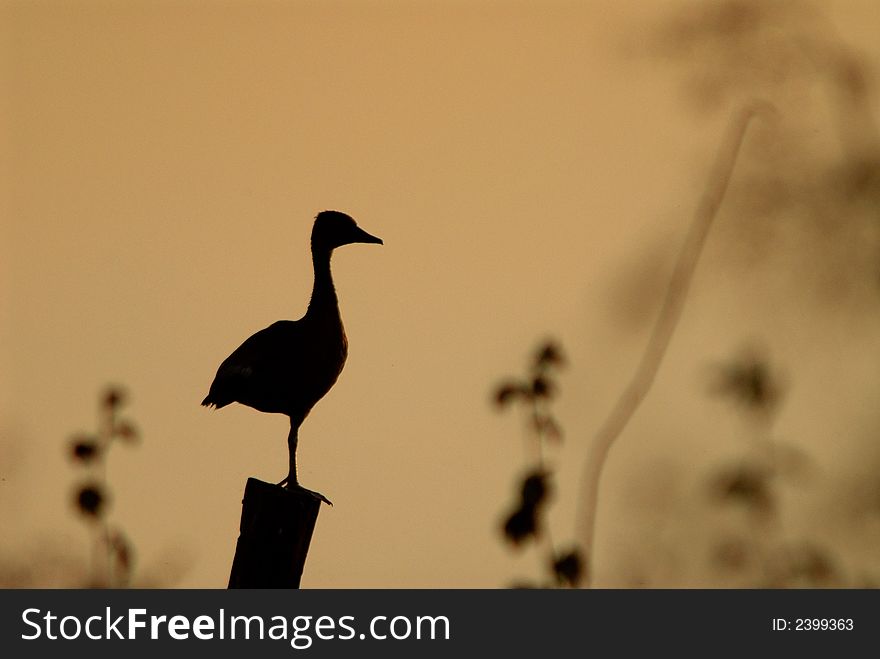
<point>162,163</point>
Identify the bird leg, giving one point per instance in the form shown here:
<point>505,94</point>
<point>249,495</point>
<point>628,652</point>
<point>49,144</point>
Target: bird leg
<point>290,482</point>
<point>292,440</point>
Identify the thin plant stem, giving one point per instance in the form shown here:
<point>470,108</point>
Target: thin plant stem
<point>103,574</point>
<point>546,535</point>
<point>664,327</point>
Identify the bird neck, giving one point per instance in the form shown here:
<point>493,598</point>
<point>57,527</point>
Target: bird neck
<point>323,294</point>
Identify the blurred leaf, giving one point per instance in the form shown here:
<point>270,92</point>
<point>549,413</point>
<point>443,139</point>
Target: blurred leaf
<point>114,397</point>
<point>748,485</point>
<point>507,392</point>
<point>126,431</point>
<point>549,355</point>
<point>90,500</point>
<point>568,568</point>
<point>751,383</point>
<point>122,550</point>
<point>524,585</point>
<point>521,525</point>
<point>542,387</point>
<point>547,426</point>
<point>84,448</point>
<point>534,489</point>
<point>807,565</point>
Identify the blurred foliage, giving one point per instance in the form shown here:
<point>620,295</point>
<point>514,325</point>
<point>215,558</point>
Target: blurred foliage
<point>809,189</point>
<point>762,546</point>
<point>112,552</point>
<point>51,561</point>
<point>805,200</point>
<point>526,522</point>
<point>749,383</point>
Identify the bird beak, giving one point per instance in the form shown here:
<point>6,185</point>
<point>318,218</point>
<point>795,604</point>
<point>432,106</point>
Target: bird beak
<point>362,236</point>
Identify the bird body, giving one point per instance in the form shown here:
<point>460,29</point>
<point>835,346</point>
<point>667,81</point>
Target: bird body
<point>289,366</point>
<point>285,368</point>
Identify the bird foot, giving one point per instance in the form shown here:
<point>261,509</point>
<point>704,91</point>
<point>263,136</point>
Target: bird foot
<point>286,484</point>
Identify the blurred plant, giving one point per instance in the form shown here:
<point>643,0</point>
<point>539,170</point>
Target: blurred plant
<point>112,553</point>
<point>816,174</point>
<point>737,51</point>
<point>750,382</point>
<point>527,521</point>
<point>753,485</point>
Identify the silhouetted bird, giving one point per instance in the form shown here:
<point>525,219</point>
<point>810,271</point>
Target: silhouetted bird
<point>290,365</point>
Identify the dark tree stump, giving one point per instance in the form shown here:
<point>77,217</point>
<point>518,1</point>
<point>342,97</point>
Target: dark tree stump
<point>276,529</point>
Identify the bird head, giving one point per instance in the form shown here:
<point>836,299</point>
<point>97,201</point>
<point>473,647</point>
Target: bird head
<point>333,229</point>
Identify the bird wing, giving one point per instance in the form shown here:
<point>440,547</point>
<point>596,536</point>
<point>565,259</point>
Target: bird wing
<point>253,373</point>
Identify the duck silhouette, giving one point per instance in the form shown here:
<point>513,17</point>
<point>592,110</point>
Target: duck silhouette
<point>289,366</point>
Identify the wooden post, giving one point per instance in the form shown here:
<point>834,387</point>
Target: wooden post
<point>276,529</point>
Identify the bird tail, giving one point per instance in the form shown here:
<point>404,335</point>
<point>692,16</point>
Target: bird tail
<point>216,400</point>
